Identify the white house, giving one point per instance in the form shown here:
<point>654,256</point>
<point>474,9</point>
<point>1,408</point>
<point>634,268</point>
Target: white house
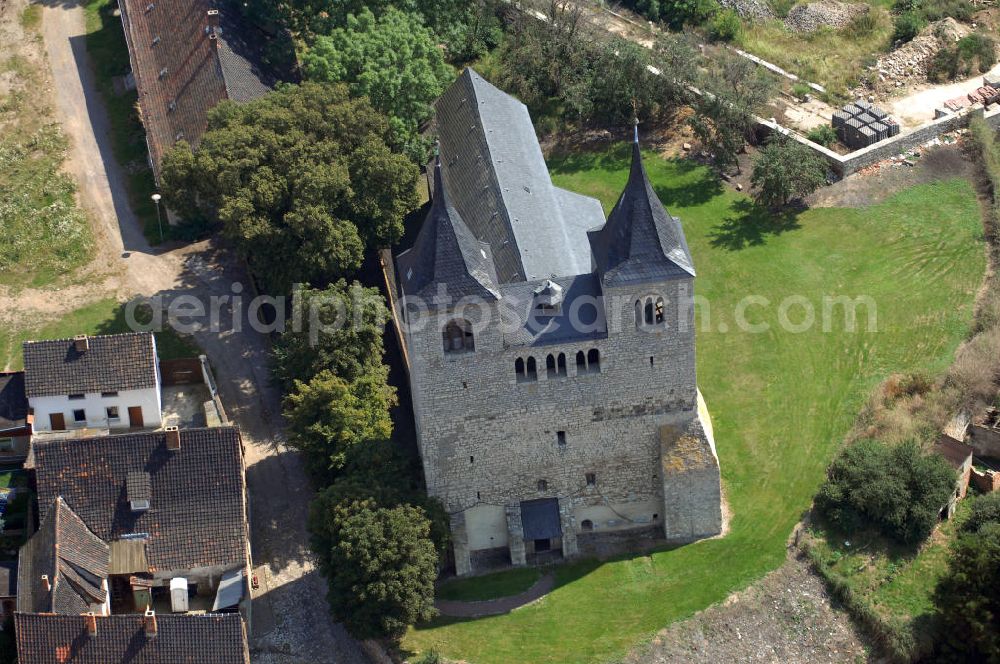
<point>109,381</point>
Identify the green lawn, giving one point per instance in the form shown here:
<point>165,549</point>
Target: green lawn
<point>489,586</point>
<point>102,317</point>
<point>781,401</point>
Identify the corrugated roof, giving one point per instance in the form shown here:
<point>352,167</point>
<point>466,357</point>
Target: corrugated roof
<point>197,513</point>
<point>496,174</point>
<point>113,362</point>
<point>181,639</point>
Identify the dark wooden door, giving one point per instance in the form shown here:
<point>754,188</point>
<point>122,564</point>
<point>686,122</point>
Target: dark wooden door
<point>135,417</point>
<point>58,421</point>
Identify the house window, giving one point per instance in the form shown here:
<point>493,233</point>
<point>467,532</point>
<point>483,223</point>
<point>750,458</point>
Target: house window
<point>561,438</point>
<point>527,372</point>
<point>581,362</point>
<point>76,397</point>
<point>109,394</point>
<point>650,311</point>
<point>532,370</point>
<point>457,337</point>
<point>591,479</point>
<point>519,369</point>
<point>112,412</point>
<point>543,485</point>
<point>659,311</point>
<point>139,505</point>
<point>561,364</point>
<point>6,444</point>
<point>587,525</point>
<point>79,415</point>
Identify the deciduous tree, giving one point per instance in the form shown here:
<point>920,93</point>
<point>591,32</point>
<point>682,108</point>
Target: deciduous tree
<point>785,170</point>
<point>968,598</point>
<point>302,180</point>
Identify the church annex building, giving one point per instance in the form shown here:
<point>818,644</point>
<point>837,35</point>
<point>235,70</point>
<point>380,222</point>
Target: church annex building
<point>551,352</point>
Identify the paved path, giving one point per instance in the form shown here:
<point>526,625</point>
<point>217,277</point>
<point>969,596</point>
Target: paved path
<point>495,607</point>
<point>291,623</point>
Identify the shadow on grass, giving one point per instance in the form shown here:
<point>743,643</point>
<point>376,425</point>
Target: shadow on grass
<point>170,344</point>
<point>750,225</point>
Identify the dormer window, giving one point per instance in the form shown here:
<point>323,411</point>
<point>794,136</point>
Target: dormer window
<point>548,298</point>
<point>138,490</point>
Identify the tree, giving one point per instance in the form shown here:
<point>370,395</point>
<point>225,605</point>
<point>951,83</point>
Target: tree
<point>302,180</point>
<point>393,60</point>
<point>732,95</point>
<point>312,17</point>
<point>621,78</point>
<point>379,563</point>
<point>338,328</point>
<point>786,170</point>
<point>984,510</point>
<point>968,598</point>
<point>896,489</point>
<point>329,415</point>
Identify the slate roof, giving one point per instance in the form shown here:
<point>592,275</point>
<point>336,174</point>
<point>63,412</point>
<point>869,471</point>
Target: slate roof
<point>13,401</point>
<point>197,514</point>
<point>500,185</point>
<point>641,242</point>
<point>446,253</point>
<point>181,71</point>
<point>181,639</point>
<point>580,315</point>
<point>540,519</point>
<point>114,362</point>
<point>74,559</point>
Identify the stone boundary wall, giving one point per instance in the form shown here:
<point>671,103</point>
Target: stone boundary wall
<point>986,482</point>
<point>181,371</point>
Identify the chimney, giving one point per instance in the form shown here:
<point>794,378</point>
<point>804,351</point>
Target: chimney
<point>173,438</point>
<point>46,583</point>
<point>91,619</point>
<point>81,343</point>
<point>149,622</point>
<point>213,20</point>
<point>214,40</point>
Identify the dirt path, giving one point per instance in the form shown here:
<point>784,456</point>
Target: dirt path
<point>918,106</point>
<point>291,623</point>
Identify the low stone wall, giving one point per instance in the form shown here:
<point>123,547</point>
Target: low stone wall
<point>182,371</point>
<point>985,441</point>
<point>987,481</point>
<point>600,544</point>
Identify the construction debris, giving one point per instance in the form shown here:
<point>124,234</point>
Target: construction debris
<point>908,63</point>
<point>753,10</point>
<point>815,15</point>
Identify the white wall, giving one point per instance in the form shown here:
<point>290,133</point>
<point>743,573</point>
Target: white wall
<point>486,526</point>
<point>96,406</point>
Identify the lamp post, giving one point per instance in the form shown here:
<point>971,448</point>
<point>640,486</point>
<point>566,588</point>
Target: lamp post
<point>156,199</point>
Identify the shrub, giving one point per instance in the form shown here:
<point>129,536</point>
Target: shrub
<point>897,490</point>
<point>972,54</point>
<point>935,10</point>
<point>801,90</point>
<point>984,510</point>
<point>908,25</point>
<point>676,13</point>
<point>968,598</point>
<point>862,25</point>
<point>725,26</point>
<point>822,135</point>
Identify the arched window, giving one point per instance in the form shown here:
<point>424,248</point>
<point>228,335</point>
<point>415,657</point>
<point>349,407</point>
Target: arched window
<point>593,360</point>
<point>457,337</point>
<point>581,362</point>
<point>519,369</point>
<point>650,311</point>
<point>659,311</point>
<point>532,369</point>
<point>647,310</point>
<point>587,525</point>
<point>561,364</point>
<point>543,485</point>
<point>550,366</point>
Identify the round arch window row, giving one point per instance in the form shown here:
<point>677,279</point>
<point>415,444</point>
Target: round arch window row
<point>526,369</point>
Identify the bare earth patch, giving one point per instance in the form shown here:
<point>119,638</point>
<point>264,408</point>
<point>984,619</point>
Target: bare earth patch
<point>786,617</point>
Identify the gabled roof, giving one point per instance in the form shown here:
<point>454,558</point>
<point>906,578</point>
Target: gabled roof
<point>500,185</point>
<point>185,62</point>
<point>641,241</point>
<point>197,512</point>
<point>71,556</point>
<point>447,253</point>
<point>13,401</point>
<point>181,639</point>
<point>112,363</point>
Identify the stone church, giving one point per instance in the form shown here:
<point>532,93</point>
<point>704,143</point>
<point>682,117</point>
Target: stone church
<point>551,352</point>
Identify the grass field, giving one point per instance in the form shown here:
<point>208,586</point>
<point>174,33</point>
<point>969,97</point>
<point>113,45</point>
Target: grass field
<point>102,317</point>
<point>833,58</point>
<point>489,586</point>
<point>109,56</point>
<point>781,401</point>
<point>43,235</point>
